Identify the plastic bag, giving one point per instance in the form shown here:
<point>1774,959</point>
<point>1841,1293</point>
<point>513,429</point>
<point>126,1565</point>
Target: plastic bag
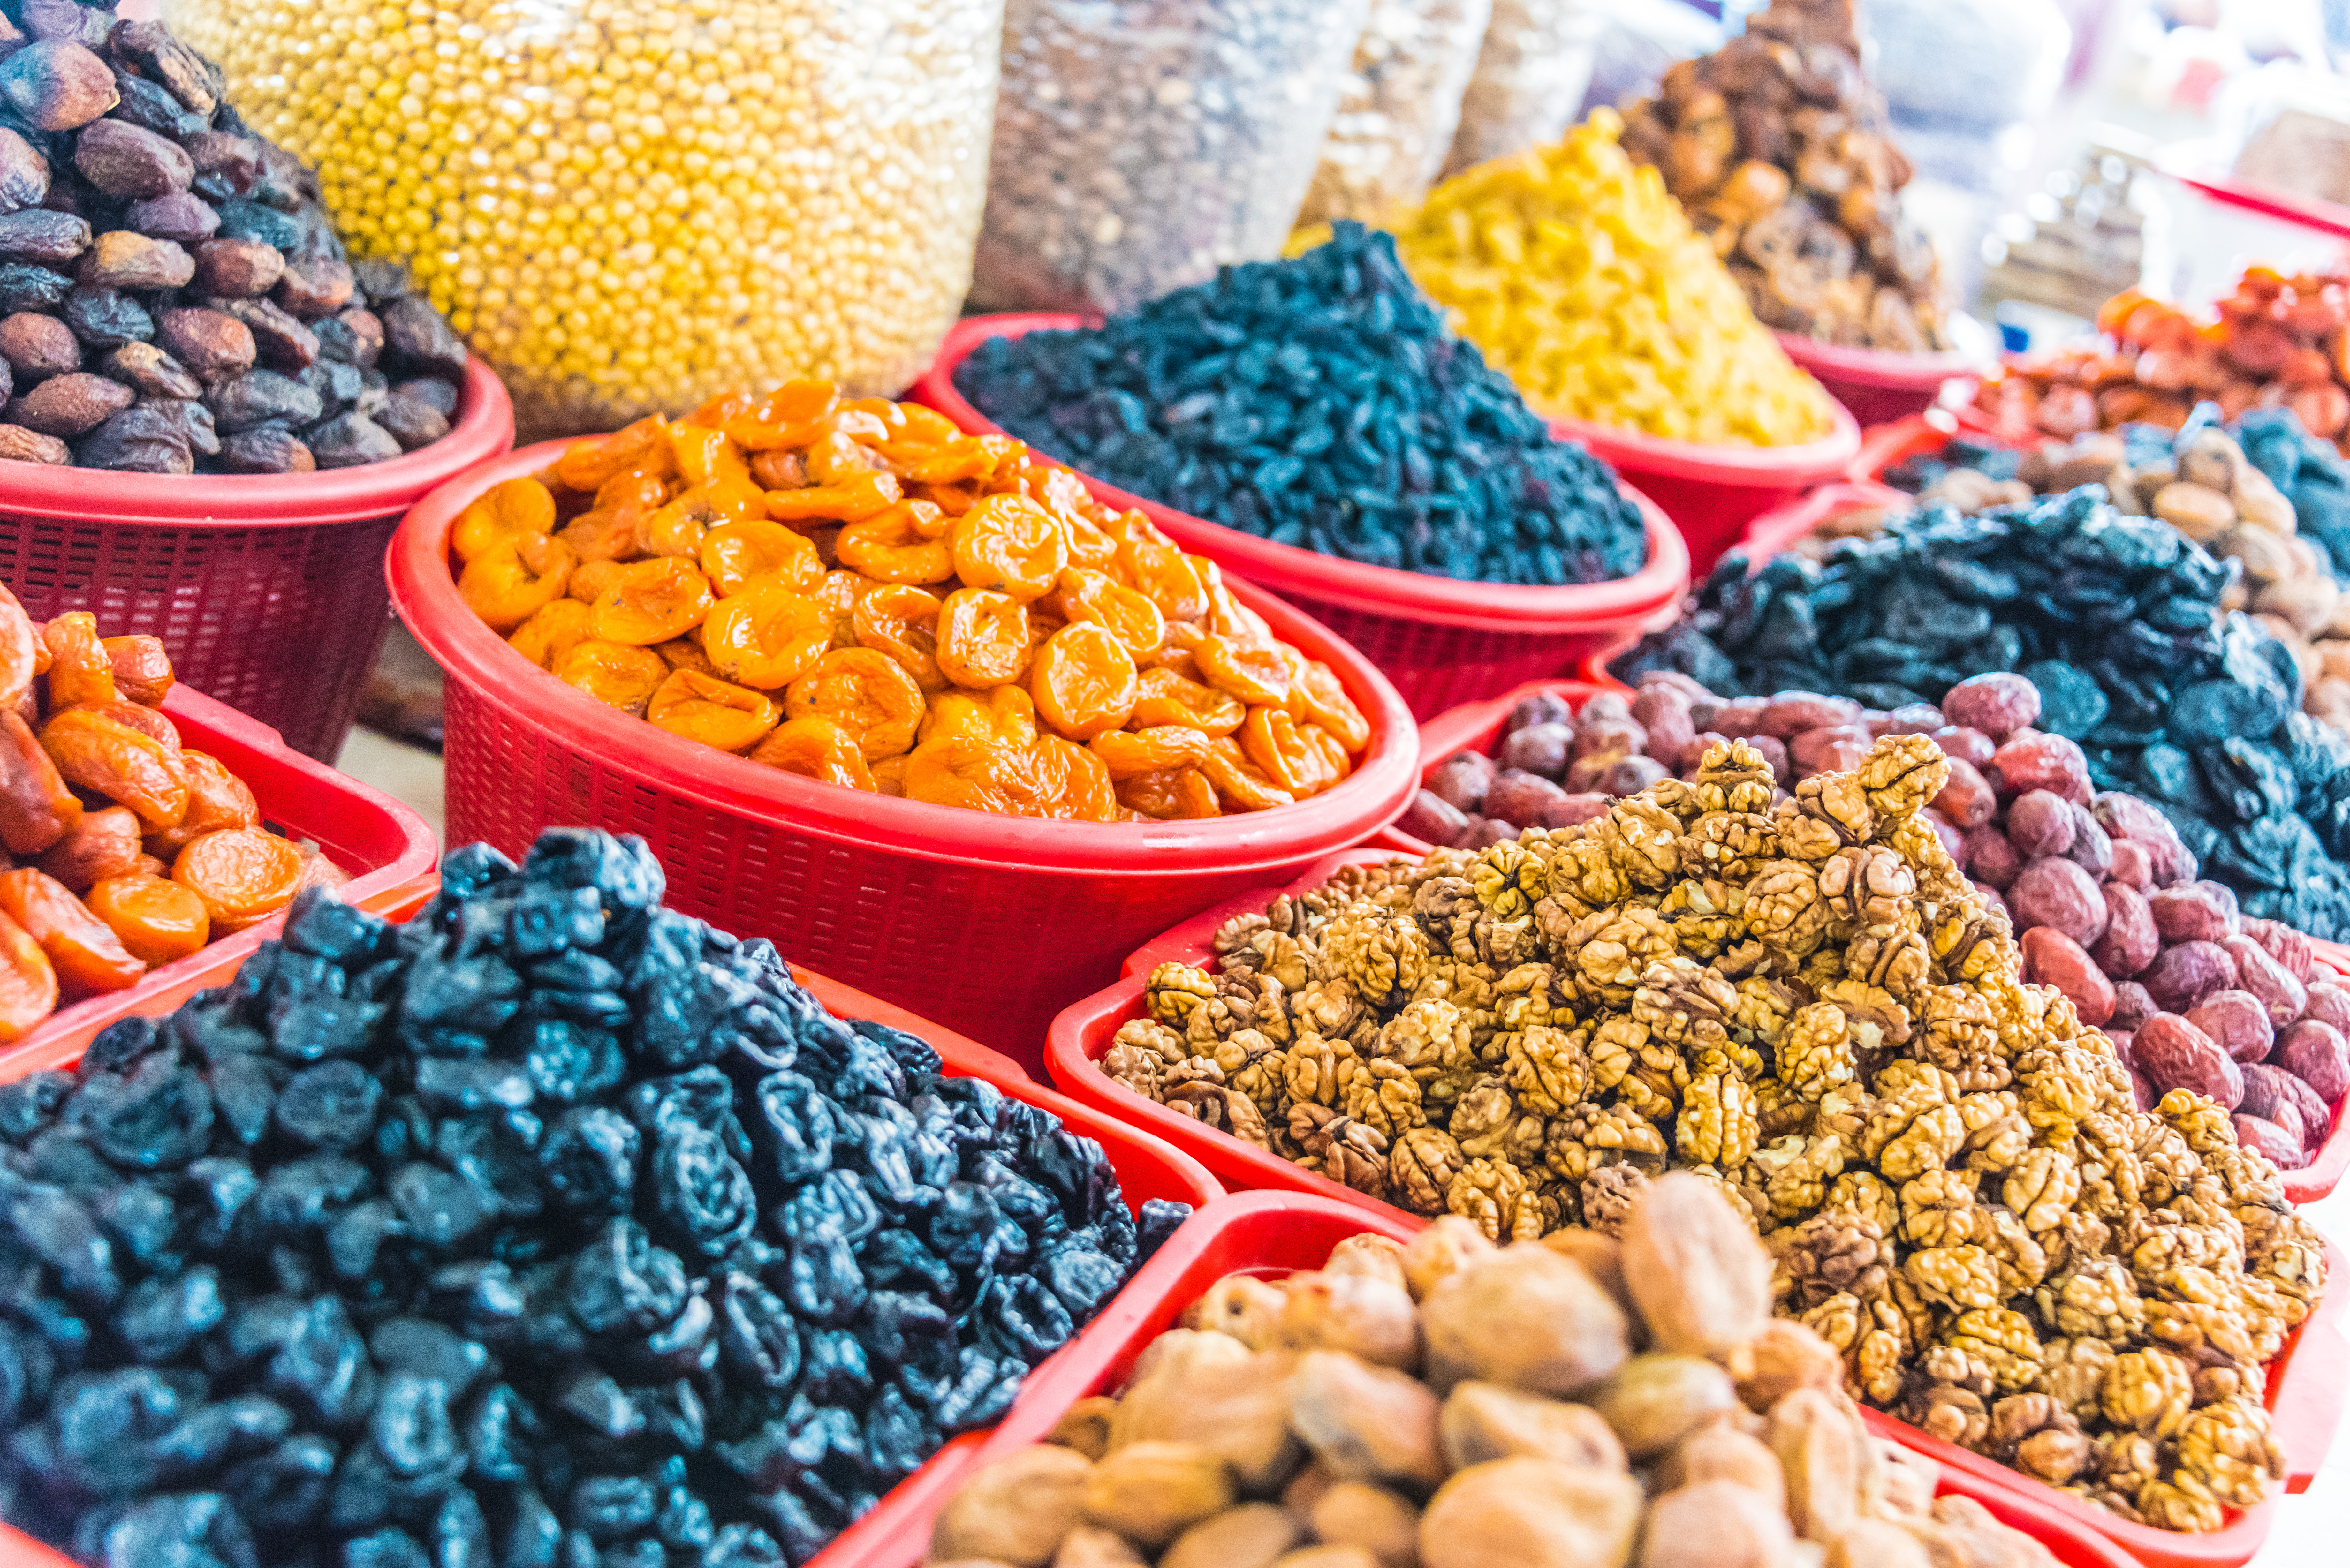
<point>1529,81</point>
<point>1399,109</point>
<point>1140,144</point>
<point>628,210</point>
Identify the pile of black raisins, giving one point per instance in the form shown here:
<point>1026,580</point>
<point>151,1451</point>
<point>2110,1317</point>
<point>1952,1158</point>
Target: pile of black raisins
<point>2115,618</point>
<point>1318,402</point>
<point>552,1230</point>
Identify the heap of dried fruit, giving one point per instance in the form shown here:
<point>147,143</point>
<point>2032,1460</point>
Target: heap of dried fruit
<point>1778,147</point>
<point>1455,1404</point>
<point>172,295</point>
<point>2277,341</point>
<point>128,849</point>
<point>852,590</point>
<point>1554,767</point>
<point>1807,1003</point>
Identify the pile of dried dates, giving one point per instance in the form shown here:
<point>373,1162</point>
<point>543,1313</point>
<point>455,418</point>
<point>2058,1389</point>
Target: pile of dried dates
<point>1452,1404</point>
<point>549,1228</point>
<point>172,295</point>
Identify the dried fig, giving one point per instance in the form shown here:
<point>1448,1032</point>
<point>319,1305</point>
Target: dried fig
<point>1382,1523</point>
<point>1363,1316</point>
<point>1715,1524</point>
<point>1015,1511</point>
<point>1209,1388</point>
<point>1152,1492</point>
<point>1364,1422</point>
<point>1531,1513</point>
<point>1448,1242</point>
<point>1702,1280</point>
<point>1526,1318</point>
<point>1252,1535</point>
<point>1657,1399</point>
<point>1480,1422</point>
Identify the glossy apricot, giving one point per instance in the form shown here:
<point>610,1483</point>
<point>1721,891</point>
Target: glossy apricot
<point>864,691</point>
<point>1336,761</point>
<point>507,510</point>
<point>964,458</point>
<point>982,638</point>
<point>901,621</point>
<point>1087,793</point>
<point>616,674</point>
<point>867,495</point>
<point>552,631</point>
<point>155,919</point>
<point>651,601</point>
<point>142,670</point>
<point>28,985</point>
<point>1269,738</point>
<point>1240,782</point>
<point>82,949</point>
<point>1163,697</point>
<point>815,747</point>
<point>892,547</point>
<point>157,727</point>
<point>684,653</point>
<point>590,578</point>
<point>979,772</point>
<point>1251,672</point>
<point>767,635</point>
<point>732,553</point>
<point>715,712</point>
<point>1085,595</point>
<point>604,535</point>
<point>21,650</point>
<point>513,580</point>
<point>37,809</point>
<point>1162,748</point>
<point>587,465</point>
<point>1154,567</point>
<point>1083,681</point>
<point>1317,697</point>
<point>217,799</point>
<point>1012,544</point>
<point>1176,795</point>
<point>838,594</point>
<point>79,670</point>
<point>243,875</point>
<point>102,844</point>
<point>101,753</point>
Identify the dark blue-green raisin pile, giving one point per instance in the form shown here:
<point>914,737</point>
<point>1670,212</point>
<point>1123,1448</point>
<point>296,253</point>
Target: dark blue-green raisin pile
<point>551,1230</point>
<point>2115,618</point>
<point>1318,402</point>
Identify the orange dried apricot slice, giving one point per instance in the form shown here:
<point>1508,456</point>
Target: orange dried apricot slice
<point>217,798</point>
<point>513,580</point>
<point>37,809</point>
<point>652,601</point>
<point>1083,682</point>
<point>551,633</point>
<point>157,727</point>
<point>1012,544</point>
<point>1251,671</point>
<point>83,951</point>
<point>715,712</point>
<point>853,499</point>
<point>101,753</point>
<point>1170,796</point>
<point>1163,697</point>
<point>142,670</point>
<point>28,985</point>
<point>734,553</point>
<point>766,636</point>
<point>1240,782</point>
<point>102,844</point>
<point>243,875</point>
<point>616,674</point>
<point>505,510</point>
<point>964,458</point>
<point>902,622</point>
<point>1335,757</point>
<point>1269,739</point>
<point>1162,748</point>
<point>892,547</point>
<point>868,693</point>
<point>21,652</point>
<point>1086,594</point>
<point>79,670</point>
<point>587,465</point>
<point>154,919</point>
<point>982,638</point>
<point>1155,568</point>
<point>815,748</point>
<point>1317,697</point>
<point>1087,794</point>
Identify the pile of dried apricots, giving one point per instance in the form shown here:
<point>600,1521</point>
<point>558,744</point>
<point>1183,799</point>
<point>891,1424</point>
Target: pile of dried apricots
<point>124,849</point>
<point>855,591</point>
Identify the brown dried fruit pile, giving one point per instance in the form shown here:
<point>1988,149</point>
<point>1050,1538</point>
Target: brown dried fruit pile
<point>1452,1405</point>
<point>1810,1004</point>
<point>172,296</point>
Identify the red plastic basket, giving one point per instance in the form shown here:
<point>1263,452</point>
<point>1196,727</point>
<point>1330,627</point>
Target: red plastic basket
<point>1264,1234</point>
<point>1442,641</point>
<point>1874,384</point>
<point>1146,1169</point>
<point>989,924</point>
<point>1473,727</point>
<point>266,590</point>
<point>386,847</point>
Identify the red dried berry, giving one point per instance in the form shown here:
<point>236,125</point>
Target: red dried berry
<point>2237,1024</point>
<point>2271,1092</point>
<point>1433,819</point>
<point>1962,744</point>
<point>2052,958</point>
<point>1804,750</point>
<point>1911,718</point>
<point>1461,780</point>
<point>2126,817</point>
<point>1485,832</point>
<point>1993,858</point>
<point>2285,997</point>
<point>2051,892</point>
<point>2040,762</point>
<point>2182,976</point>
<point>2329,1002</point>
<point>2091,850</point>
<point>2175,1054</point>
<point>1998,704</point>
<point>2129,941</point>
<point>1536,749</point>
<point>2189,914</point>
<point>1626,737</point>
<point>1841,755</point>
<point>1966,800</point>
<point>1569,811</point>
<point>2285,945</point>
<point>1669,734</point>
<point>1739,720</point>
<point>1632,774</point>
<point>2041,823</point>
<point>2132,865</point>
<point>2173,864</point>
<point>2132,1006</point>
<point>2316,1055</point>
<point>1659,696</point>
<point>2282,1149</point>
<point>2142,1092</point>
<point>1791,714</point>
<point>2121,1042</point>
<point>1520,799</point>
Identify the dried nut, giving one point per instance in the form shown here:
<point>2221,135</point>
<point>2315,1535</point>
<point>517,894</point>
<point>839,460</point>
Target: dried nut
<point>1382,1523</point>
<point>2237,1023</point>
<point>1091,1546</point>
<point>1526,1318</point>
<point>1372,1256</point>
<point>1209,1388</point>
<point>1445,1245</point>
<point>1252,1535</point>
<point>1720,1452</point>
<point>1715,1524</point>
<point>1365,1317</point>
<point>1152,1492</point>
<point>1483,1421</point>
<point>1085,1426</point>
<point>1779,1358</point>
<point>1243,1307</point>
<point>2196,511</point>
<point>1692,1265</point>
<point>1831,1467</point>
<point>1659,1399</point>
<point>1364,1422</point>
<point>1015,1511</point>
<point>1531,1513</point>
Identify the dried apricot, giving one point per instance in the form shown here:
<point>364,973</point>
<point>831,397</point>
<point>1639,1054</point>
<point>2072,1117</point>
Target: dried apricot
<point>1251,671</point>
<point>652,601</point>
<point>37,809</point>
<point>835,458</point>
<point>142,670</point>
<point>1162,748</point>
<point>552,631</point>
<point>1336,759</point>
<point>734,553</point>
<point>838,594</point>
<point>590,578</point>
<point>1316,696</point>
<point>28,985</point>
<point>510,582</point>
<point>676,527</point>
<point>684,653</point>
<point>1240,782</point>
<point>1012,544</point>
<point>157,727</point>
<point>85,953</point>
<point>20,646</point>
<point>1087,794</point>
<point>1163,697</point>
<point>102,844</point>
<point>616,674</point>
<point>1269,738</point>
<point>889,777</point>
<point>902,622</point>
<point>1176,795</point>
<point>1083,681</point>
<point>790,416</point>
<point>965,769</point>
<point>603,535</point>
<point>217,798</point>
<point>1089,595</point>
<point>767,635</point>
<point>982,638</point>
<point>964,458</point>
<point>866,693</point>
<point>1227,617</point>
<point>892,547</point>
<point>853,499</point>
<point>101,753</point>
<point>507,510</point>
<point>817,748</point>
<point>715,712</point>
<point>79,670</point>
<point>243,875</point>
<point>1158,570</point>
<point>154,919</point>
<point>587,464</point>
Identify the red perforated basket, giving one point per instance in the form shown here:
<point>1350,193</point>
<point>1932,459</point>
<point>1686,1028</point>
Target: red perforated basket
<point>267,590</point>
<point>1472,727</point>
<point>1440,640</point>
<point>989,924</point>
<point>385,847</point>
<point>1877,384</point>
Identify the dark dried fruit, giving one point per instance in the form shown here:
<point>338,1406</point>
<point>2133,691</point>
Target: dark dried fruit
<point>412,420</point>
<point>18,444</point>
<point>39,235</point>
<point>24,174</point>
<point>104,317</point>
<point>347,441</point>
<point>57,85</point>
<point>417,340</point>
<point>237,269</point>
<point>269,449</point>
<point>208,343</point>
<point>35,346</point>
<point>314,286</point>
<point>147,368</point>
<point>279,341</point>
<point>180,217</point>
<point>160,58</point>
<point>130,162</point>
<point>70,404</point>
<point>260,397</point>
<point>120,258</point>
<point>142,439</point>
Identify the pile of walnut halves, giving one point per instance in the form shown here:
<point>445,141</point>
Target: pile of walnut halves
<point>1810,1004</point>
<point>1779,148</point>
<point>1449,1404</point>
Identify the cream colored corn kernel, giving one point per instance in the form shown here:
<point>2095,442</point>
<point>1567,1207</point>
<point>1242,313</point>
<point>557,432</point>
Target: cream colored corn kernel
<point>628,207</point>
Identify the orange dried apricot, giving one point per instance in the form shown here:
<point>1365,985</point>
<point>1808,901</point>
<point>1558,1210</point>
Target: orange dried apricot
<point>901,621</point>
<point>866,693</point>
<point>217,798</point>
<point>1269,738</point>
<point>97,752</point>
<point>684,653</point>
<point>889,777</point>
<point>715,712</point>
<point>790,416</point>
<point>587,464</point>
<point>616,674</point>
<point>1251,671</point>
<point>37,809</point>
<point>766,636</point>
<point>1170,796</point>
<point>1087,794</point>
<point>1163,697</point>
<point>833,457</point>
<point>1083,682</point>
<point>552,632</point>
<point>892,547</point>
<point>79,670</point>
<point>1086,594</point>
<point>1158,571</point>
<point>243,875</point>
<point>1335,760</point>
<point>1012,544</point>
<point>1227,617</point>
<point>157,727</point>
<point>838,594</point>
<point>982,638</point>
<point>28,985</point>
<point>590,578</point>
<point>1239,781</point>
<point>867,495</point>
<point>142,670</point>
<point>507,510</point>
<point>510,582</point>
<point>102,844</point>
<point>815,747</point>
<point>20,651</point>
<point>734,553</point>
<point>1162,748</point>
<point>154,919</point>
<point>965,457</point>
<point>85,953</point>
<point>1316,696</point>
<point>652,601</point>
<point>975,772</point>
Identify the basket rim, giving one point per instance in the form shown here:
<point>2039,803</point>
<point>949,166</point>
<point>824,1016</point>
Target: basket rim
<point>1892,368</point>
<point>482,429</point>
<point>424,594</point>
<point>1358,586</point>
